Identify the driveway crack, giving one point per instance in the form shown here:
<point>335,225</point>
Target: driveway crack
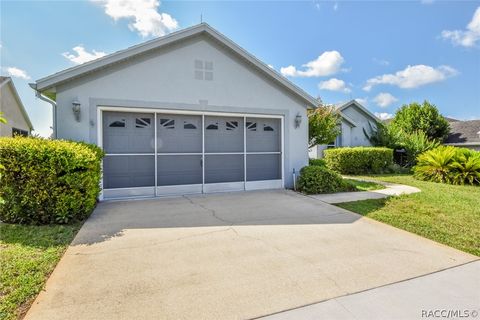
<point>212,211</point>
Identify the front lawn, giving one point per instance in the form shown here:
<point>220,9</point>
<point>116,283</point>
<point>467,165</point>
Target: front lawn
<point>360,185</point>
<point>444,213</point>
<point>28,254</point>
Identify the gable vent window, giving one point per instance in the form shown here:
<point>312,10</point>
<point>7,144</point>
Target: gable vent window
<point>213,126</point>
<point>188,125</point>
<point>267,128</point>
<point>232,125</point>
<point>203,70</point>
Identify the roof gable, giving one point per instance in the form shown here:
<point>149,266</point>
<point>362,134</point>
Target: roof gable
<point>358,106</point>
<point>8,81</point>
<point>89,67</point>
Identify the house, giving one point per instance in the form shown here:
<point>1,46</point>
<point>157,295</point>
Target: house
<point>18,122</point>
<point>355,119</point>
<point>464,134</point>
<point>190,112</point>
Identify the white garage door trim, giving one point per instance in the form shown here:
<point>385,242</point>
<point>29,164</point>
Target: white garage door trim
<point>135,192</point>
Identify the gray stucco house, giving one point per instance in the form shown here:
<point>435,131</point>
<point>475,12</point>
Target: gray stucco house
<point>18,122</point>
<point>355,118</point>
<point>189,112</point>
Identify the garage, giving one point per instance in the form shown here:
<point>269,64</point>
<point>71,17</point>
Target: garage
<point>163,152</point>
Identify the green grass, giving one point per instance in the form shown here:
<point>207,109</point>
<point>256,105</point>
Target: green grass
<point>364,185</point>
<point>444,213</point>
<point>28,254</point>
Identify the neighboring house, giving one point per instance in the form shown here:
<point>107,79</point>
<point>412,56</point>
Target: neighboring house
<point>355,118</point>
<point>189,112</point>
<point>464,134</point>
<point>13,110</point>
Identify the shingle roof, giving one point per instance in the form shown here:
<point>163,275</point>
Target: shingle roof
<point>464,132</point>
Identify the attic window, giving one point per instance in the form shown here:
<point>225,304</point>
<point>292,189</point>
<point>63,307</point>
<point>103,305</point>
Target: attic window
<point>188,125</point>
<point>142,122</point>
<point>203,70</point>
<point>267,128</point>
<point>251,126</point>
<point>232,125</point>
<point>213,126</point>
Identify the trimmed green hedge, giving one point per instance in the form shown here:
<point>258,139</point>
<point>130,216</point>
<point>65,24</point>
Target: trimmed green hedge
<point>359,160</point>
<point>317,162</point>
<point>317,179</point>
<point>48,181</point>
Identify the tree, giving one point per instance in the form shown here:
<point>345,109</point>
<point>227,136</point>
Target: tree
<point>323,125</point>
<point>424,117</point>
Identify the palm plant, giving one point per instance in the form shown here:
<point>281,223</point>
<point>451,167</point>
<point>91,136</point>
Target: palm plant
<point>466,167</point>
<point>436,164</point>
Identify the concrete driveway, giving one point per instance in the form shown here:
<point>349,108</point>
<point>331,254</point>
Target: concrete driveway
<point>227,256</point>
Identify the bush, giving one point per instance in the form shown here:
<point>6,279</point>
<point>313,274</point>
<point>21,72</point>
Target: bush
<point>317,179</point>
<point>359,160</point>
<point>317,162</point>
<point>447,164</point>
<point>48,181</point>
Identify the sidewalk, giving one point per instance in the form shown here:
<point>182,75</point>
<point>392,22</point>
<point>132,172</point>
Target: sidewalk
<point>452,293</point>
<point>391,189</point>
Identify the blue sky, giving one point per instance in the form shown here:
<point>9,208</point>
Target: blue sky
<point>383,53</point>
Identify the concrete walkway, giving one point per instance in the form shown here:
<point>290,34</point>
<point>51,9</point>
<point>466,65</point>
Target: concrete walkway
<point>453,290</point>
<point>391,189</point>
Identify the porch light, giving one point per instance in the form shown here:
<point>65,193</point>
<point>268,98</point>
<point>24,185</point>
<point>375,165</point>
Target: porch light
<point>298,120</point>
<point>76,110</point>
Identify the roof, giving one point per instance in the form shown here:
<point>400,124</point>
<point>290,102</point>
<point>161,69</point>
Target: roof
<point>7,80</point>
<point>51,81</point>
<point>341,107</point>
<point>464,132</point>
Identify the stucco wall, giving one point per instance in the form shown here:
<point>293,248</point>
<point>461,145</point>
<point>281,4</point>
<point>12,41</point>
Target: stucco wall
<point>11,111</point>
<point>165,79</point>
<point>357,137</point>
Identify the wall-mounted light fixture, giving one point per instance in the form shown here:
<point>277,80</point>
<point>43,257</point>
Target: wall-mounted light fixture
<point>76,110</point>
<point>298,120</point>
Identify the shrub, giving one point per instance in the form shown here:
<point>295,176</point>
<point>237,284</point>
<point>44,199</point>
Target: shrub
<point>447,164</point>
<point>48,181</point>
<point>415,144</point>
<point>317,162</point>
<point>359,160</point>
<point>317,179</point>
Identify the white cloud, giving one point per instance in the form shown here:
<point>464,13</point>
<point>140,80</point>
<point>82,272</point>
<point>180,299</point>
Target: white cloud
<point>384,99</point>
<point>383,115</point>
<point>81,55</point>
<point>143,15</point>
<point>17,73</point>
<point>468,37</point>
<point>362,101</point>
<point>326,64</point>
<point>334,85</point>
<point>412,77</point>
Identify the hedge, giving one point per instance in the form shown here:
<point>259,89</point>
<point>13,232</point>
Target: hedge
<point>48,181</point>
<point>317,162</point>
<point>318,179</point>
<point>359,160</point>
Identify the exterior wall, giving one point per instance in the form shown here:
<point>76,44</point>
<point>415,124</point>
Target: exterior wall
<point>165,79</point>
<point>11,111</point>
<point>357,137</point>
<point>346,135</point>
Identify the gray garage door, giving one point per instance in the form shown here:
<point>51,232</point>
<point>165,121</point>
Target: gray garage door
<point>158,154</point>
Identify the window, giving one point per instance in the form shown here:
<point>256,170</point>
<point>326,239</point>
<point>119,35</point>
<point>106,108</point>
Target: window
<point>203,70</point>
<point>118,123</point>
<point>19,132</point>
<point>142,122</point>
<point>251,126</point>
<point>331,145</point>
<point>213,126</point>
<point>267,128</point>
<point>167,123</point>
<point>232,125</point>
<point>188,125</point>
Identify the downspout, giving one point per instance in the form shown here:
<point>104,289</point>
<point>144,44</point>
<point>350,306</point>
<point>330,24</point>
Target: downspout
<point>39,95</point>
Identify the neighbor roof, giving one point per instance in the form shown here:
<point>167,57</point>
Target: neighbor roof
<point>66,75</point>
<point>464,132</point>
<point>341,107</point>
<point>7,80</point>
